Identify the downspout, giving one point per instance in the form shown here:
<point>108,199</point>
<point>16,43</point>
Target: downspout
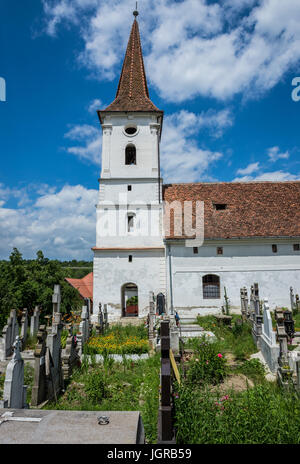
<point>171,283</point>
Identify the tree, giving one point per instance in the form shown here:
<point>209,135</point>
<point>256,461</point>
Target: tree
<point>28,283</point>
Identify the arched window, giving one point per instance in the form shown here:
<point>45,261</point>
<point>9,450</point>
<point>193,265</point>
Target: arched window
<point>129,300</point>
<point>211,286</point>
<point>130,222</point>
<point>130,155</point>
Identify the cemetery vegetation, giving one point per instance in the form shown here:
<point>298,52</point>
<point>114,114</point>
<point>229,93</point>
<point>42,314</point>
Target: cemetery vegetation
<point>28,283</point>
<point>115,386</point>
<point>210,411</point>
<point>119,339</point>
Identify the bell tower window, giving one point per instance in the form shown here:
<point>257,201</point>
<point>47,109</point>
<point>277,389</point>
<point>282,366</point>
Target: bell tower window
<point>130,155</point>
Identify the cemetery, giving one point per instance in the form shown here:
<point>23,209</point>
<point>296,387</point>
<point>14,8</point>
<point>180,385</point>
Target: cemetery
<point>230,377</point>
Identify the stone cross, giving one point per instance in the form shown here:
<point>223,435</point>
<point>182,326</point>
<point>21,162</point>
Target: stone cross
<point>14,394</point>
<point>24,327</point>
<point>9,334</point>
<point>292,298</point>
<point>105,317</point>
<point>54,364</point>
<point>244,303</point>
<point>70,357</point>
<point>34,321</point>
<point>99,325</point>
<point>56,299</point>
<point>39,389</point>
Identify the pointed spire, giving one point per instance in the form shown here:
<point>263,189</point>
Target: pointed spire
<point>132,93</point>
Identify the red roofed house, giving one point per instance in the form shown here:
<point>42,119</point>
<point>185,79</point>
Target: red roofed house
<point>84,287</point>
<point>250,231</point>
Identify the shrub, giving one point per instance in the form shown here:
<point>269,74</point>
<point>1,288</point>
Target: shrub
<point>207,364</point>
<point>253,369</point>
<point>95,386</point>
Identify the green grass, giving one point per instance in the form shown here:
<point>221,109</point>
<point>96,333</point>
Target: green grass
<point>127,386</point>
<point>237,340</point>
<point>261,415</point>
<point>2,380</point>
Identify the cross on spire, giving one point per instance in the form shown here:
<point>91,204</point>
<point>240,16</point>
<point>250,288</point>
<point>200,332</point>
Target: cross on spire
<point>136,13</point>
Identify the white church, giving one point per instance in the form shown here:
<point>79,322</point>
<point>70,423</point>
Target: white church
<point>249,232</point>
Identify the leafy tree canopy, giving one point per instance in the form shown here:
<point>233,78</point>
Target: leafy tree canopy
<point>28,283</point>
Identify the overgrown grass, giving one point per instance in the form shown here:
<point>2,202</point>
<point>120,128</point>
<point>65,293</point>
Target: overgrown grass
<point>119,340</point>
<point>131,386</point>
<point>261,415</point>
<point>28,380</point>
<point>237,340</point>
<point>2,380</point>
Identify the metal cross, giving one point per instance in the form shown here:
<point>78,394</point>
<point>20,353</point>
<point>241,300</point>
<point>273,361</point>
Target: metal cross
<point>8,416</point>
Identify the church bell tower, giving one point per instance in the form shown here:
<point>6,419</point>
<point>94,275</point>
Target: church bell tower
<point>129,256</point>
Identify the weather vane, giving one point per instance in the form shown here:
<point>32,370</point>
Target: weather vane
<point>136,13</point>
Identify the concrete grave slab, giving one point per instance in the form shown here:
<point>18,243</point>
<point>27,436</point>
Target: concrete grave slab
<point>70,427</point>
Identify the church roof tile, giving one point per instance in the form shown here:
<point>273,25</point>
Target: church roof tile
<point>241,210</point>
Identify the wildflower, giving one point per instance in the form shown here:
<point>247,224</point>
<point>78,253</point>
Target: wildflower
<point>220,355</point>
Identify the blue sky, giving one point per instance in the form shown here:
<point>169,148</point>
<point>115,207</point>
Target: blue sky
<point>221,71</point>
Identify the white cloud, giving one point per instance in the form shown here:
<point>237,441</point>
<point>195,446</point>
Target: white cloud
<point>182,160</point>
<point>192,47</point>
<point>249,169</point>
<point>274,154</point>
<point>95,105</point>
<point>275,176</point>
<point>61,224</point>
<point>91,137</point>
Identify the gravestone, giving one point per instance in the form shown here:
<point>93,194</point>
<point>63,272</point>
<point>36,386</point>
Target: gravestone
<point>284,372</point>
<point>160,304</point>
<point>151,320</point>
<point>293,301</point>
<point>39,389</point>
<point>244,303</point>
<point>24,327</point>
<point>53,358</point>
<point>268,345</point>
<point>9,334</point>
<point>34,321</point>
<point>100,322</point>
<point>105,317</point>
<point>84,329</point>
<point>257,318</point>
<point>56,299</point>
<point>14,394</point>
<point>70,357</point>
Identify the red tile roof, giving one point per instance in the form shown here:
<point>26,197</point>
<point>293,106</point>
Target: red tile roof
<point>254,209</point>
<point>132,93</point>
<point>84,285</point>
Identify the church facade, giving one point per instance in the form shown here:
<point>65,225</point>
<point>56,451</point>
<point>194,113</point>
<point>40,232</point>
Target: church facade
<point>249,232</point>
